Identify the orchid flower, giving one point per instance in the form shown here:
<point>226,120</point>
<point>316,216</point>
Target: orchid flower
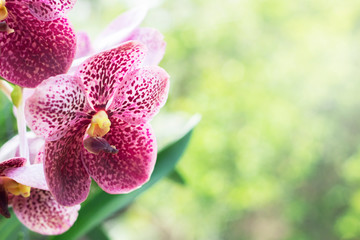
<point>124,28</point>
<point>109,101</point>
<point>35,207</point>
<point>36,40</point>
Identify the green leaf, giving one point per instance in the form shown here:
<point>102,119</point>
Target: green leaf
<point>97,234</point>
<point>10,228</point>
<point>176,177</point>
<point>103,205</point>
<point>169,127</point>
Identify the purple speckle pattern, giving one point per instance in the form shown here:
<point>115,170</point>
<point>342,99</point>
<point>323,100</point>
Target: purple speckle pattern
<point>47,10</point>
<point>142,94</point>
<point>66,176</point>
<point>131,166</point>
<point>102,73</point>
<point>59,102</point>
<point>11,163</point>
<point>37,49</point>
<point>41,213</point>
<point>137,94</point>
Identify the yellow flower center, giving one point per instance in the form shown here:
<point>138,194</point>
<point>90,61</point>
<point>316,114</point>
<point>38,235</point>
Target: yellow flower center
<point>3,11</point>
<point>15,188</point>
<point>100,125</point>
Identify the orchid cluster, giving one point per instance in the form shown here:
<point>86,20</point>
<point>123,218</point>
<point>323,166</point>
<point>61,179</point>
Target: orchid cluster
<point>88,106</point>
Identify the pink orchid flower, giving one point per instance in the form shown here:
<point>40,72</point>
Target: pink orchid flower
<point>124,28</point>
<point>16,178</point>
<point>110,100</point>
<point>36,41</point>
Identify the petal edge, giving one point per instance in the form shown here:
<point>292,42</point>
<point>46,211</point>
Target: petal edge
<point>41,213</point>
<point>132,166</point>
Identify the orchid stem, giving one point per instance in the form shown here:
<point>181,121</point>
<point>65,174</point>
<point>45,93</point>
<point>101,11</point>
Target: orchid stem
<point>6,88</point>
<point>21,124</point>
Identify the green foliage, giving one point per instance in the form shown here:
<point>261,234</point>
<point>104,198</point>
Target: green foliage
<point>7,119</point>
<point>176,177</point>
<point>276,154</point>
<point>10,228</point>
<point>101,206</point>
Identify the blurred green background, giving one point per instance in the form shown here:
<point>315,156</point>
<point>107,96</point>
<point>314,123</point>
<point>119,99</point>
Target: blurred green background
<point>276,155</point>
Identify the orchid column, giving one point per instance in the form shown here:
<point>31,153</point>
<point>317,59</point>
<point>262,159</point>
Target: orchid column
<point>111,96</point>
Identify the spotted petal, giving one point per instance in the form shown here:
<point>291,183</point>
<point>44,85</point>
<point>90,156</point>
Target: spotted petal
<point>47,10</point>
<point>143,93</point>
<point>30,175</point>
<point>41,213</point>
<point>102,73</point>
<point>66,176</point>
<point>132,166</point>
<point>36,50</point>
<point>59,102</point>
<point>154,41</point>
<point>11,163</point>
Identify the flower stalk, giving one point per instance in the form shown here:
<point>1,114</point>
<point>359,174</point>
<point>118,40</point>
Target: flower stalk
<point>18,102</point>
<point>6,88</point>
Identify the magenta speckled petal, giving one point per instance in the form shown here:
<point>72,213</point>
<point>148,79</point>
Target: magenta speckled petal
<point>42,214</point>
<point>36,50</point>
<point>144,92</point>
<point>29,175</point>
<point>132,166</point>
<point>47,10</point>
<point>83,46</point>
<point>11,163</point>
<point>120,28</point>
<point>102,73</point>
<point>59,102</point>
<point>66,176</point>
<point>154,41</point>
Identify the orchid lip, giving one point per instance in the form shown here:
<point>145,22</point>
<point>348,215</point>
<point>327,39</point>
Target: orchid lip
<point>4,27</point>
<point>110,88</point>
<point>96,145</point>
